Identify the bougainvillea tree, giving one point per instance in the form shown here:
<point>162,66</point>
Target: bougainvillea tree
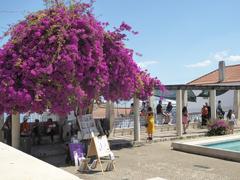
<point>146,85</point>
<point>123,71</point>
<point>62,57</point>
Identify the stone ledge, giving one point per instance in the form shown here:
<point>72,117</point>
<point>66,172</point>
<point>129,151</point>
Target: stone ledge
<point>125,143</point>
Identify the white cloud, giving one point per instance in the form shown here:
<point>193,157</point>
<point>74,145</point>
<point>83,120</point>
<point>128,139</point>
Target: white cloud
<point>225,56</point>
<point>218,56</point>
<point>234,58</point>
<point>199,64</point>
<point>145,64</point>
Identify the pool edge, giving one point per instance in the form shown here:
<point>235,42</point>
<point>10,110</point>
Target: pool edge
<point>195,148</point>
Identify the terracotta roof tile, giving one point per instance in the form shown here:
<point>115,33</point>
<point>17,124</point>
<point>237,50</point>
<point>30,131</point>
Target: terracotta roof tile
<point>100,112</point>
<point>232,74</point>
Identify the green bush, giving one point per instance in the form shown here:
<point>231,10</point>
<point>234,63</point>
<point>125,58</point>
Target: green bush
<point>219,127</point>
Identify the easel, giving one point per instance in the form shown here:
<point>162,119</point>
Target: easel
<point>99,147</point>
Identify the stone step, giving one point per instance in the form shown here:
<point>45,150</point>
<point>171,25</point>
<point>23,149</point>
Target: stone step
<point>161,128</point>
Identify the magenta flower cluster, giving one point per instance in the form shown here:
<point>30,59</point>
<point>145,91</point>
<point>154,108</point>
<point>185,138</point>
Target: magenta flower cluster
<point>62,57</point>
<point>219,127</point>
<point>219,124</point>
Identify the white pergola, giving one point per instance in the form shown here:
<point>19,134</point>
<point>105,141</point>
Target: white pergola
<point>181,100</point>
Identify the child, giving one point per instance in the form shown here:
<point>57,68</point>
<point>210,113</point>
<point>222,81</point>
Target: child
<point>150,122</point>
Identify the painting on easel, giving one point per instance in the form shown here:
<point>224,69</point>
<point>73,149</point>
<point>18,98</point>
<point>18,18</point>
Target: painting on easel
<point>99,147</point>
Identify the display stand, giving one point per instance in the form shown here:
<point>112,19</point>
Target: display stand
<point>83,167</point>
<point>87,126</point>
<point>99,147</point>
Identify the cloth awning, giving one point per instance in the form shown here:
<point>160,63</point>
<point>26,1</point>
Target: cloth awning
<point>205,93</point>
<point>171,94</point>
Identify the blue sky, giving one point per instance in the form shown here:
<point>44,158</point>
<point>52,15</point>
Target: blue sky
<point>180,39</point>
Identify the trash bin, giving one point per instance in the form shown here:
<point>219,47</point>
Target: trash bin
<point>25,144</point>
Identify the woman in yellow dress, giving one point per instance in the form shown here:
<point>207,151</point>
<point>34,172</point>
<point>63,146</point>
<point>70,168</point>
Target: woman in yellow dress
<point>150,123</point>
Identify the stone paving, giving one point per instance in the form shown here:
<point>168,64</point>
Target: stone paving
<point>153,160</point>
<point>116,142</point>
<point>158,160</point>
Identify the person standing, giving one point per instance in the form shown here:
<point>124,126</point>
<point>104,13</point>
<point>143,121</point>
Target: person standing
<point>204,115</point>
<point>25,136</point>
<point>150,124</point>
<point>7,129</point>
<point>231,120</point>
<point>36,134</point>
<point>168,113</point>
<point>61,122</point>
<point>185,119</point>
<point>50,128</point>
<point>220,111</point>
<point>209,111</point>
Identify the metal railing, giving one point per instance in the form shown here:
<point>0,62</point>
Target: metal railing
<point>123,123</point>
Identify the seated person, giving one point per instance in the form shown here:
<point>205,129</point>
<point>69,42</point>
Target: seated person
<point>131,110</point>
<point>7,129</point>
<point>160,112</point>
<point>25,128</point>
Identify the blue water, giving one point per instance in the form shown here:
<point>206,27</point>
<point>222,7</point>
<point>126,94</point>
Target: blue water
<point>228,145</point>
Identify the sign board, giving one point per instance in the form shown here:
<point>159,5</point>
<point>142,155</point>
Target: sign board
<point>78,148</point>
<point>87,126</point>
<point>99,147</point>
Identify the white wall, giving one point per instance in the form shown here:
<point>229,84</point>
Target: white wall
<point>226,98</point>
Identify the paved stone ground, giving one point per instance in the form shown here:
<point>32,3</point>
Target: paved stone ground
<point>155,160</point>
<point>158,160</point>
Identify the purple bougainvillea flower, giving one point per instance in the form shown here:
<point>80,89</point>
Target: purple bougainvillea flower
<point>62,57</point>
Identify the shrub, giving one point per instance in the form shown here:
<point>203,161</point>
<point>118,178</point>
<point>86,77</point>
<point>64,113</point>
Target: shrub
<point>218,127</point>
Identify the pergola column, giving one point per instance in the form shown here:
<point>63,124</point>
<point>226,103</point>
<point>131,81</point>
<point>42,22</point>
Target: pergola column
<point>212,102</point>
<point>1,125</point>
<point>184,98</point>
<point>179,112</point>
<point>151,102</point>
<point>16,130</point>
<point>107,114</point>
<point>110,114</point>
<point>136,119</point>
<point>236,105</point>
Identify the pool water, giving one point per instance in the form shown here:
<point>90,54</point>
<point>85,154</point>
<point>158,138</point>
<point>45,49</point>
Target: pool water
<point>228,145</point>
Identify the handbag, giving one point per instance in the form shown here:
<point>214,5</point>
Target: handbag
<point>146,125</point>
